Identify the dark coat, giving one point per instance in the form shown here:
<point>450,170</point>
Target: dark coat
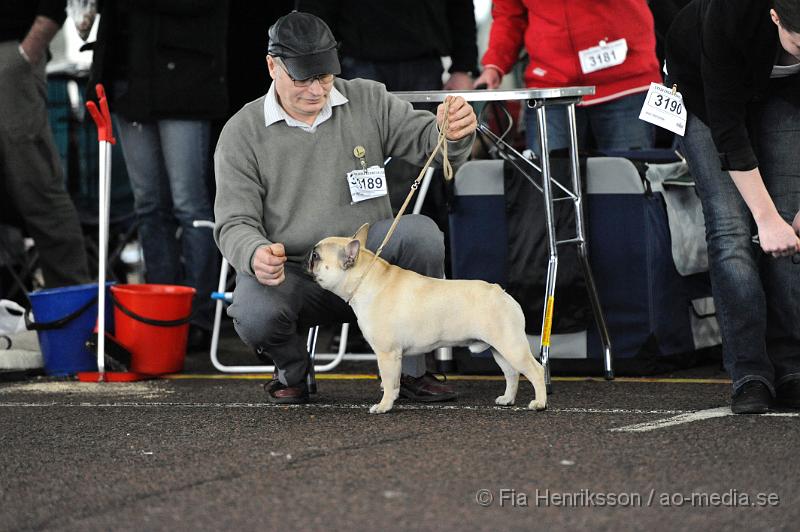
<point>720,54</point>
<point>402,30</point>
<point>172,54</point>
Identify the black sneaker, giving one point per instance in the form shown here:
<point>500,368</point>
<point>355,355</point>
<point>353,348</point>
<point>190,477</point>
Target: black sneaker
<point>426,389</point>
<point>753,397</point>
<point>199,339</point>
<point>788,393</point>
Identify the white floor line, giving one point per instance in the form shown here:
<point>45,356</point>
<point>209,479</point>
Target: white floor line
<point>689,417</point>
<point>676,420</point>
<point>679,417</point>
<point>340,406</point>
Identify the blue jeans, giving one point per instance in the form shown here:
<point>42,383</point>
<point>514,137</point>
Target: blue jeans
<point>614,125</point>
<point>168,165</point>
<point>757,297</point>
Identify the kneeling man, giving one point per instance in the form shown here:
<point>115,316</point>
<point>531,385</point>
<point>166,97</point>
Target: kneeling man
<point>305,162</point>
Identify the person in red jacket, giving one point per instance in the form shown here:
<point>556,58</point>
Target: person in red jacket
<point>610,45</point>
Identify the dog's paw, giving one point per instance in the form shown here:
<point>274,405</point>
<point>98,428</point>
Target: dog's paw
<point>537,404</point>
<point>380,408</point>
<point>504,400</point>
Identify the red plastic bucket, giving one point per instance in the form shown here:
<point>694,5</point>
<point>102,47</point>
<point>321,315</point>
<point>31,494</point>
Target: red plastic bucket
<point>152,322</point>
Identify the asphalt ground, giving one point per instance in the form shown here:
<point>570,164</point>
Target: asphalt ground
<point>206,451</point>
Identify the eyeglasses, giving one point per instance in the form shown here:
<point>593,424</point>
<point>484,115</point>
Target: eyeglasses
<point>324,79</point>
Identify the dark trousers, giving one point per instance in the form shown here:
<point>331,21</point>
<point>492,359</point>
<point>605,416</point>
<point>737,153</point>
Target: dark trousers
<point>30,170</point>
<point>274,319</point>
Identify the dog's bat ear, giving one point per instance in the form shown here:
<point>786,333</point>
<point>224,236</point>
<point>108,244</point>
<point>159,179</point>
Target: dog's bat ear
<point>351,253</point>
<point>361,235</point>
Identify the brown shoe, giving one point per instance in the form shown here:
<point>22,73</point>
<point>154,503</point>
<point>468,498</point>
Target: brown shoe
<point>426,389</point>
<point>279,393</point>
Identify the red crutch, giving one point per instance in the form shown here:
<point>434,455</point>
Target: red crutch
<point>105,136</point>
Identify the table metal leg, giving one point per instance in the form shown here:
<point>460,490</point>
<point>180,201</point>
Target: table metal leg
<point>552,265</point>
<point>591,288</point>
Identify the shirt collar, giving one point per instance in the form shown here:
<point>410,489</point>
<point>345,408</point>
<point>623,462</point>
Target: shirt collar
<point>273,112</point>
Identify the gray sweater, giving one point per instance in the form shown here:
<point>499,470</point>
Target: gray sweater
<point>280,184</point>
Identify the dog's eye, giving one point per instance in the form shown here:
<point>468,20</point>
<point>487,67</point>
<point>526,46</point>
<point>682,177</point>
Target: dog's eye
<point>314,255</point>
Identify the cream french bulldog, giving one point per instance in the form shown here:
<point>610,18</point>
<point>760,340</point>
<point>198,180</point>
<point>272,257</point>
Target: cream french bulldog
<point>402,313</point>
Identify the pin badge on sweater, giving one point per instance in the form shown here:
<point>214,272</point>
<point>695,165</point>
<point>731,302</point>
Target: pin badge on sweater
<point>366,183</point>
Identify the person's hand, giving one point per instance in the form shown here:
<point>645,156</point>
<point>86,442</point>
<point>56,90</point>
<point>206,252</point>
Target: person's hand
<point>796,223</point>
<point>778,238</point>
<point>458,81</point>
<point>31,53</point>
<point>490,78</point>
<point>462,119</point>
<point>268,264</point>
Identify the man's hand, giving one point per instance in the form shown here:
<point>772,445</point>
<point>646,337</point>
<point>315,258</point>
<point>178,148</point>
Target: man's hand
<point>268,264</point>
<point>458,81</point>
<point>796,223</point>
<point>490,78</point>
<point>462,119</point>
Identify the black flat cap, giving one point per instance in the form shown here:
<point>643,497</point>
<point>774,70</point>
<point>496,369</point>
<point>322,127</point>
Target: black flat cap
<point>305,44</point>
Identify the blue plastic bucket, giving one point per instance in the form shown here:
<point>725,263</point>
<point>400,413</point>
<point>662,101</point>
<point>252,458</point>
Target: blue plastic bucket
<point>65,319</point>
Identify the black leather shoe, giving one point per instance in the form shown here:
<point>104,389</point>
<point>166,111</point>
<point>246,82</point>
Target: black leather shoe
<point>426,389</point>
<point>753,397</point>
<point>788,393</point>
<point>279,393</point>
<point>199,339</point>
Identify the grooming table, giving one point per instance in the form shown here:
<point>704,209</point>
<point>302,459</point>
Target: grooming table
<point>540,99</point>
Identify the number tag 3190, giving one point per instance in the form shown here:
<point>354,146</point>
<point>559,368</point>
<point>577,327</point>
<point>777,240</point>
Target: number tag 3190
<point>664,107</point>
<point>367,184</point>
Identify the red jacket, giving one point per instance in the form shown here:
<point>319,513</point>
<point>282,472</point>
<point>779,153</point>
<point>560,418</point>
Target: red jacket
<point>554,31</point>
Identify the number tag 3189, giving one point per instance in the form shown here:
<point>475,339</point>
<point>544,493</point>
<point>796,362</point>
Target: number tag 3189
<point>664,107</point>
<point>367,184</point>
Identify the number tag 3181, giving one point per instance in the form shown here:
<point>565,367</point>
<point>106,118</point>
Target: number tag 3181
<point>367,184</point>
<point>664,107</point>
<point>605,55</point>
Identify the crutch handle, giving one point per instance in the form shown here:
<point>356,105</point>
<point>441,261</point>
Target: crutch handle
<point>102,116</point>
